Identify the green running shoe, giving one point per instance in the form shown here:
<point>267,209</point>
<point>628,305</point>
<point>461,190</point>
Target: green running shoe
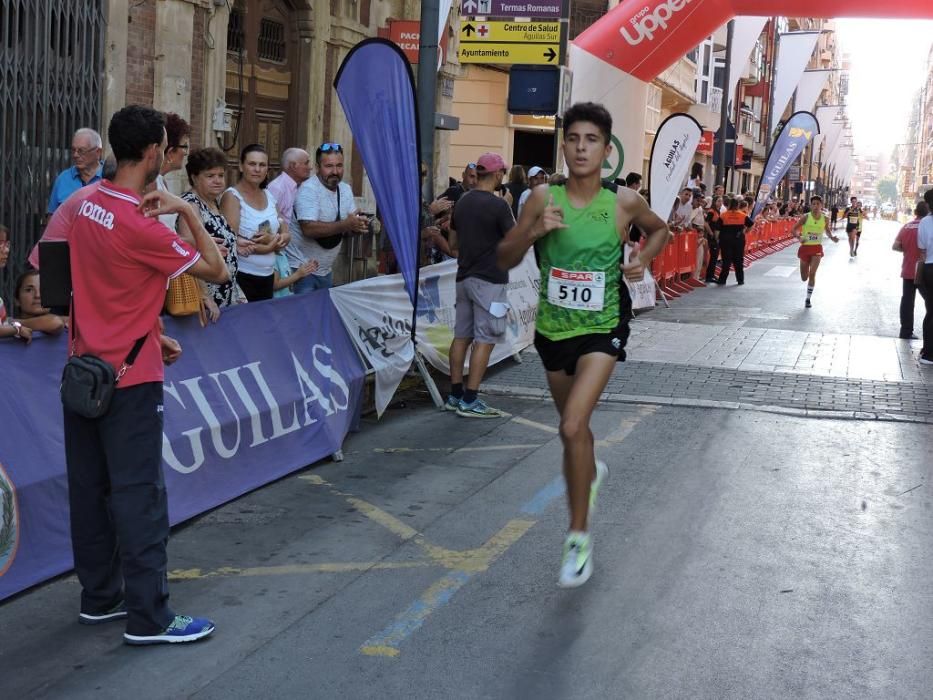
<point>577,566</point>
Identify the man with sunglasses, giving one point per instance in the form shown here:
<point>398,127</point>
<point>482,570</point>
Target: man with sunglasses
<point>455,192</point>
<point>86,147</point>
<point>325,212</point>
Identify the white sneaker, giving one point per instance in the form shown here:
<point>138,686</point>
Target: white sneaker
<point>577,566</point>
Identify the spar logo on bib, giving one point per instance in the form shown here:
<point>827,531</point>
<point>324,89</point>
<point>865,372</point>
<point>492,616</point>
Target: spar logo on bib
<point>645,23</point>
<point>9,522</point>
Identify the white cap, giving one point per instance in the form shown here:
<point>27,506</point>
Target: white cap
<point>535,170</point>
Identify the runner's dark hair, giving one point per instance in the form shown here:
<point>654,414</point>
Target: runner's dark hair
<point>816,198</point>
<point>928,198</point>
<point>922,210</point>
<point>589,112</point>
<point>632,178</point>
<point>132,130</point>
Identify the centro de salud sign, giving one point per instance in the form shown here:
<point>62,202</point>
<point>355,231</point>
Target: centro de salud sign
<point>535,43</point>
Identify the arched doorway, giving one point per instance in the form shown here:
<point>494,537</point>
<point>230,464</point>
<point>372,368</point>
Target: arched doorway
<point>261,55</point>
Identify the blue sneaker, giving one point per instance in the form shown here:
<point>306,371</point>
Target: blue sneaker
<point>182,629</point>
<point>117,612</point>
<point>452,404</point>
<point>477,409</point>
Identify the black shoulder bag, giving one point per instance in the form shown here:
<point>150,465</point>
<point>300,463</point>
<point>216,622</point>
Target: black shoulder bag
<point>88,382</point>
<point>329,242</point>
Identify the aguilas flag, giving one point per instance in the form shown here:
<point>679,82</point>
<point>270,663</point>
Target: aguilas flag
<point>789,145</point>
<point>671,157</point>
<point>377,91</point>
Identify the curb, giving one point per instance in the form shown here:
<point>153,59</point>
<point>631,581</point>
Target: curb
<point>820,414</point>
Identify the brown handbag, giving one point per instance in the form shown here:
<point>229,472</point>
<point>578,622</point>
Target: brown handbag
<point>183,297</point>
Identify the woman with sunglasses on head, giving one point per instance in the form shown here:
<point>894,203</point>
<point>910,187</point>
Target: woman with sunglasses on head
<point>252,216</point>
<point>325,212</point>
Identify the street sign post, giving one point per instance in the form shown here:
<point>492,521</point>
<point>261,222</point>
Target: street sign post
<point>541,9</point>
<point>534,43</point>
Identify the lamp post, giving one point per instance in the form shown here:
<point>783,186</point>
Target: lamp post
<point>427,88</point>
<point>722,171</point>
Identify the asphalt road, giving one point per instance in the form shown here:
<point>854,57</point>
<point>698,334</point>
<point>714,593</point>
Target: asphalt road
<point>858,296</point>
<point>739,553</point>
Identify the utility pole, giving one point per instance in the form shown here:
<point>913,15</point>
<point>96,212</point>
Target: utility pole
<point>427,89</point>
<point>722,170</point>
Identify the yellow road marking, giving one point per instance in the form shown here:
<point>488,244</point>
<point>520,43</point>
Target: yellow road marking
<point>377,515</point>
<point>379,650</point>
<point>452,450</point>
<point>478,559</point>
<point>292,569</point>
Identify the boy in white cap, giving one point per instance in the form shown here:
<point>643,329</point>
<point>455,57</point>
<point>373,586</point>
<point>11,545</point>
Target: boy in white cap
<point>536,176</point>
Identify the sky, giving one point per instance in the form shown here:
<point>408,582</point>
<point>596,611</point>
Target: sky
<point>888,60</point>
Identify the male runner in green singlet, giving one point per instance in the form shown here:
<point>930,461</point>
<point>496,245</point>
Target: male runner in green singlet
<point>810,230</point>
<point>584,307</point>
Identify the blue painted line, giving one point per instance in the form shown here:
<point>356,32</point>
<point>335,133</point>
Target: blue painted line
<point>543,498</point>
<point>437,596</point>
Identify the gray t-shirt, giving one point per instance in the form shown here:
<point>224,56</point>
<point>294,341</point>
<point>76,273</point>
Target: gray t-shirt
<point>314,202</point>
<point>481,220</point>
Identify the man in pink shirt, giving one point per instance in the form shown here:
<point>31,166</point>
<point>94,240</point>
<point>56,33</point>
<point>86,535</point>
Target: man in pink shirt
<point>122,258</point>
<point>296,168</point>
<point>906,242</point>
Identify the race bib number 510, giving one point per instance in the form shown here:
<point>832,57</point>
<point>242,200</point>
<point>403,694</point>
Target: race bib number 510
<point>570,289</point>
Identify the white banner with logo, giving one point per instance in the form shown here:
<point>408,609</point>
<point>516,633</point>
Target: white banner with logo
<point>377,314</point>
<point>675,144</point>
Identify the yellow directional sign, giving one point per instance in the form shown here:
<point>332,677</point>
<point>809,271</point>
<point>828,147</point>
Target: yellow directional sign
<point>541,54</point>
<point>507,42</point>
<point>524,32</point>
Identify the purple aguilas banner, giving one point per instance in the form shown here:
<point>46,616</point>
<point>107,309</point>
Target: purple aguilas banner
<point>269,389</point>
<point>789,146</point>
<point>377,91</point>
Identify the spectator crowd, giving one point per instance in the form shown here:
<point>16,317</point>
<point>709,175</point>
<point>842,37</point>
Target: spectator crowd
<point>283,235</point>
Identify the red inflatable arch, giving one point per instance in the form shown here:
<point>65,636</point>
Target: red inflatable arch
<point>645,37</point>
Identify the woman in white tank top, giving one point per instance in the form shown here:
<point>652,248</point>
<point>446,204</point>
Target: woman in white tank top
<point>250,211</point>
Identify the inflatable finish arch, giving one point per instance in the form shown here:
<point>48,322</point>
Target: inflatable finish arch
<point>633,43</point>
<point>645,37</point>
